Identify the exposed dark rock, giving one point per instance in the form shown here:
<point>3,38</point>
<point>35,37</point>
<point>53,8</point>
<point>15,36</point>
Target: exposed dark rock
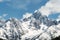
<point>57,38</point>
<point>1,39</point>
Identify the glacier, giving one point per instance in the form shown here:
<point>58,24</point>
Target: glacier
<point>33,27</point>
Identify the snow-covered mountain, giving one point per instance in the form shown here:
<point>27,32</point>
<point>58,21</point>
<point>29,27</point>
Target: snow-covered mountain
<point>32,27</point>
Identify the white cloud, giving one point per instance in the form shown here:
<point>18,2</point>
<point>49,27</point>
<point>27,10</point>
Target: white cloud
<point>4,15</point>
<point>1,0</point>
<point>4,0</point>
<point>53,6</point>
<point>23,4</point>
<point>0,17</point>
<point>19,4</point>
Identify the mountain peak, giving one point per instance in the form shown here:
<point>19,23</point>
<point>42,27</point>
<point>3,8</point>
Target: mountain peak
<point>34,27</point>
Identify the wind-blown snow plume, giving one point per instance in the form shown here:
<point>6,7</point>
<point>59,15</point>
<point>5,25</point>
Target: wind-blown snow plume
<point>53,6</point>
<point>27,15</point>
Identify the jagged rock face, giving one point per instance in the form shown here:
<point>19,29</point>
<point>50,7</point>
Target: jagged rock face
<point>11,30</point>
<point>35,27</point>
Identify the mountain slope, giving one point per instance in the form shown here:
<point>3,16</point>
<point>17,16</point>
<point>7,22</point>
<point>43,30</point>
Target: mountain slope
<point>33,27</point>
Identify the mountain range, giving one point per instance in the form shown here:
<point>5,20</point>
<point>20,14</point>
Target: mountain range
<point>32,27</point>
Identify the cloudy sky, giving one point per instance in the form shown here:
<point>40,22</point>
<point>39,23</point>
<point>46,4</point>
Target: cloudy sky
<point>17,8</point>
